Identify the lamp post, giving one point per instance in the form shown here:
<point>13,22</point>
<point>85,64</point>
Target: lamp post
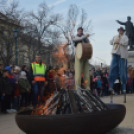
<point>15,33</point>
<point>101,60</point>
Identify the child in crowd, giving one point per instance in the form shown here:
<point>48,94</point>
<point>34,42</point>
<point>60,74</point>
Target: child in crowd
<point>102,88</point>
<point>25,89</point>
<point>16,93</point>
<point>98,84</point>
<point>71,82</point>
<point>129,84</point>
<point>6,93</point>
<point>105,84</point>
<point>94,86</point>
<point>13,81</point>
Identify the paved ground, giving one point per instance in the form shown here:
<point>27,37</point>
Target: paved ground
<point>8,125</point>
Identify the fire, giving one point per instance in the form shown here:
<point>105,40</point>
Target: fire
<point>86,81</point>
<point>41,109</point>
<point>60,55</point>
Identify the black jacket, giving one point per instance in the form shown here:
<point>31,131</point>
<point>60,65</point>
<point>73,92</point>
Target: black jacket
<point>105,81</point>
<point>0,73</point>
<point>5,86</point>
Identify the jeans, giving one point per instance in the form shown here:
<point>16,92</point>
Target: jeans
<point>118,67</point>
<point>38,90</point>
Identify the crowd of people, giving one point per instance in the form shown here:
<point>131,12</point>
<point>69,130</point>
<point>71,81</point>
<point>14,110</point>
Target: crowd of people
<point>100,84</point>
<point>19,90</point>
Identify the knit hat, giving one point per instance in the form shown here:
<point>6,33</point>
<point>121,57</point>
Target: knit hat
<point>17,68</point>
<point>22,74</point>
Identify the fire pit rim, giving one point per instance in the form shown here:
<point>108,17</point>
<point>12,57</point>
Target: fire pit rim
<point>111,109</point>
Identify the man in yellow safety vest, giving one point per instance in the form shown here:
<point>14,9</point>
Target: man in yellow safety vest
<point>37,75</point>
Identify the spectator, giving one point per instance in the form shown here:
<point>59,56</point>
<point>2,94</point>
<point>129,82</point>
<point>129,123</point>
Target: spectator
<point>10,75</point>
<point>16,73</point>
<point>94,86</point>
<point>16,93</point>
<point>91,81</point>
<point>129,85</point>
<point>24,68</point>
<point>102,88</point>
<point>98,84</point>
<point>131,74</point>
<point>131,71</point>
<point>82,82</point>
<point>25,89</point>
<point>71,82</point>
<point>15,87</point>
<point>105,84</point>
<point>98,72</point>
<point>6,91</point>
<point>1,68</point>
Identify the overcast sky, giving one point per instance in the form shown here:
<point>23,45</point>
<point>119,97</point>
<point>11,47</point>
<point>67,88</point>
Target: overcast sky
<point>103,14</point>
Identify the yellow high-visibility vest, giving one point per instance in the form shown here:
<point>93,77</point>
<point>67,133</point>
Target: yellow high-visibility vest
<point>39,72</point>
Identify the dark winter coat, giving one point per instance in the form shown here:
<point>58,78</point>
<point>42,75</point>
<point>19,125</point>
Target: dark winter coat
<point>97,73</point>
<point>5,86</point>
<point>105,81</point>
<point>24,85</point>
<point>0,73</point>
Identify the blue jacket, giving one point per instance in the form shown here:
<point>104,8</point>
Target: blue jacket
<point>98,83</point>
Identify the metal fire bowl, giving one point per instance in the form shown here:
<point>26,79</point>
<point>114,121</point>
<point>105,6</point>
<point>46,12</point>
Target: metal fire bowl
<point>95,123</point>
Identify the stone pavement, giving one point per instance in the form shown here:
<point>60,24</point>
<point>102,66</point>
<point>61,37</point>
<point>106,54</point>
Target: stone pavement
<point>8,125</point>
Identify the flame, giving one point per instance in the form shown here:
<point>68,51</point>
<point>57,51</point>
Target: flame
<point>86,81</point>
<point>60,55</point>
<point>43,108</point>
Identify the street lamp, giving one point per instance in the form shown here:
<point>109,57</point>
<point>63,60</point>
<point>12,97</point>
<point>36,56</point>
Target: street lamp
<point>15,33</point>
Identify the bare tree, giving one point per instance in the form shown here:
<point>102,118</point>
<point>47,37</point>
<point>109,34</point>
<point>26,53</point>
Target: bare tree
<point>69,26</point>
<point>40,22</point>
<point>11,18</point>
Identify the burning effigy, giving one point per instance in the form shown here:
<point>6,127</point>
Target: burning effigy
<point>69,112</point>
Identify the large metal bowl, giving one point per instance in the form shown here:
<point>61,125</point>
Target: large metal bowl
<point>88,123</point>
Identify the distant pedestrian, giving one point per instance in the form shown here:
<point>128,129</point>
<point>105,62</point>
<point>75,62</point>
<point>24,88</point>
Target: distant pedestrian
<point>71,82</point>
<point>105,84</point>
<point>98,85</point>
<point>98,72</point>
<point>6,93</point>
<point>1,68</point>
<point>25,89</point>
<point>129,84</point>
